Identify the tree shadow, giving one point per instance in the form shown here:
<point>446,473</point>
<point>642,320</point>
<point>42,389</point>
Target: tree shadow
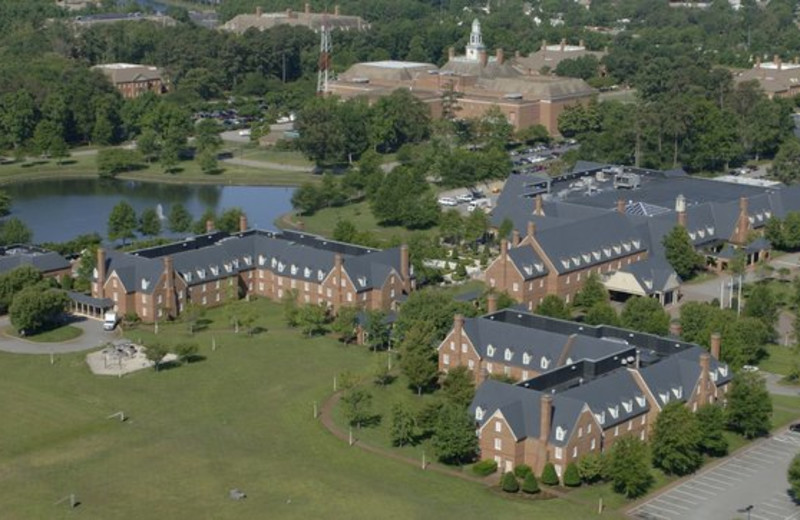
<point>168,365</point>
<point>256,331</point>
<point>372,421</point>
<point>195,358</point>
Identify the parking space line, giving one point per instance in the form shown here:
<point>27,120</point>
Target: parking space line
<point>761,516</point>
<point>669,511</point>
<point>673,497</point>
<point>712,484</point>
<point>651,514</point>
<point>769,454</point>
<point>693,495</point>
<point>774,449</point>
<point>759,457</point>
<point>729,474</point>
<point>669,504</point>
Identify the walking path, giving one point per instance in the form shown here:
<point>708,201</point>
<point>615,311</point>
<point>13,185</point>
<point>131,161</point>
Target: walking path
<point>93,336</point>
<point>267,165</point>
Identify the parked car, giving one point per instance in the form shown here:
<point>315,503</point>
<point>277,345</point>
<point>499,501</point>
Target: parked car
<point>448,201</point>
<point>795,428</point>
<point>749,368</point>
<point>466,197</point>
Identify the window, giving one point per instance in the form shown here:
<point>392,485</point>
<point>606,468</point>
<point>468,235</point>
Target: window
<point>498,426</point>
<point>559,453</point>
<point>464,348</point>
<point>446,359</point>
<point>160,299</point>
<point>216,284</point>
<point>349,296</point>
<point>616,431</point>
<point>580,432</point>
<point>498,444</point>
<point>561,433</point>
<point>489,367</point>
<point>544,363</point>
<point>452,345</point>
<point>525,375</point>
<point>217,297</point>
<point>579,277</point>
<point>575,452</point>
<point>144,311</point>
<point>306,286</point>
<point>630,425</point>
<point>490,350</point>
<point>515,287</point>
<point>641,436</point>
<point>471,364</point>
<point>479,414</point>
<point>144,298</point>
<point>507,371</point>
<point>567,279</point>
<point>589,428</point>
<point>508,354</point>
<point>491,282</point>
<point>594,444</point>
<point>644,417</point>
<point>260,286</point>
<point>205,300</point>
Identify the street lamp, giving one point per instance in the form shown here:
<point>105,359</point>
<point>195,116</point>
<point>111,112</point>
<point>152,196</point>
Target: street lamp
<point>746,510</point>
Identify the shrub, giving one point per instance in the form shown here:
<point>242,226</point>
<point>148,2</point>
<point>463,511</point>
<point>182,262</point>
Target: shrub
<point>509,483</point>
<point>485,467</point>
<point>571,477</point>
<point>530,485</point>
<point>522,471</point>
<point>549,475</point>
<point>590,468</point>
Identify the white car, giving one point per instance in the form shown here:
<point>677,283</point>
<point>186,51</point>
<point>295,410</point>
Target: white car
<point>448,201</point>
<point>244,133</point>
<point>749,368</point>
<point>467,197</point>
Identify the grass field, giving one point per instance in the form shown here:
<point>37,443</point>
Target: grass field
<point>84,166</point>
<point>780,359</point>
<point>268,155</point>
<point>240,418</point>
<point>64,333</point>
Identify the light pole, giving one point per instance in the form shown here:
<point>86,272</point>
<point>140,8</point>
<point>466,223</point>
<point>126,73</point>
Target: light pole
<point>746,510</point>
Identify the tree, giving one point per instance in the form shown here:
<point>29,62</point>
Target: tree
<point>458,386</point>
<point>187,352</point>
<point>149,223</point>
<point>549,475</point>
<point>592,292</point>
<point>749,405</point>
<point>229,220</point>
<point>676,440</point>
<point>321,131</point>
<point>180,220</point>
<point>571,476</point>
<point>344,231</point>
<point>761,304</point>
<point>34,309</point>
<point>590,467</point>
<point>148,144</point>
<point>399,118</point>
<point>207,159</point>
<point>404,425</point>
<point>345,324</point>
<point>155,353</point>
<point>14,231</point>
<point>14,281</point>
<point>312,319</point>
<point>680,253</point>
<point>793,476</point>
<point>49,140</point>
<point>786,166</point>
<point>122,222</point>
<point>206,136</point>
<point>357,406</point>
<point>629,467</point>
<point>711,420</point>
<point>645,315</point>
<point>418,359</point>
<point>377,330</point>
<point>291,310</point>
<point>169,157</point>
<point>454,435</point>
<point>113,161</point>
<point>509,483</point>
<point>554,307</point>
<point>530,485</point>
<point>601,313</point>
<point>192,312</point>
<point>307,199</point>
<point>505,229</point>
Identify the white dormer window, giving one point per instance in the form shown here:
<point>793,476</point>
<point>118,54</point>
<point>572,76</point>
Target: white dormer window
<point>565,263</point>
<point>528,270</point>
<point>490,350</point>
<point>248,260</point>
<point>188,276</point>
<point>306,272</point>
<point>544,363</point>
<point>576,260</point>
<point>479,413</point>
<point>641,401</point>
<point>596,255</point>
<point>692,235</point>
<point>569,361</point>
<point>294,269</point>
<point>626,246</point>
<point>678,392</point>
<point>628,405</point>
<point>714,376</point>
<point>723,371</point>
<point>586,257</point>
<point>281,267</point>
<point>236,263</point>
<point>767,214</point>
<point>637,243</point>
<point>201,273</point>
<point>600,417</point>
<point>710,230</point>
<point>262,260</point>
<point>614,411</point>
<point>561,433</point>
<point>320,275</point>
<point>274,262</point>
<point>508,354</point>
<point>649,284</point>
<point>229,267</point>
<point>664,396</point>
<point>760,216</point>
<point>701,233</point>
<point>751,219</point>
<point>617,248</point>
<point>215,270</point>
<point>539,267</point>
<point>145,284</point>
<point>526,358</point>
<point>607,251</point>
<point>362,281</point>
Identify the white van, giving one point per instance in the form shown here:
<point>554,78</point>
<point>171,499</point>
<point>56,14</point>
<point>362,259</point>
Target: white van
<point>110,321</point>
<point>448,201</point>
<point>479,203</point>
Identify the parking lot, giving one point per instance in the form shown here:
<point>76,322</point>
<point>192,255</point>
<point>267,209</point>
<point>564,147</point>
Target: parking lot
<point>754,477</point>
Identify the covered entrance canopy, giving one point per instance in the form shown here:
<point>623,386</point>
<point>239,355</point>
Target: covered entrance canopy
<point>88,306</point>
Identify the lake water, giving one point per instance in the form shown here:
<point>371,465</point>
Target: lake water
<point>57,211</point>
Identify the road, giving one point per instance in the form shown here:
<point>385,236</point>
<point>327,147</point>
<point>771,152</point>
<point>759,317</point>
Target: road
<point>756,476</point>
<point>93,336</point>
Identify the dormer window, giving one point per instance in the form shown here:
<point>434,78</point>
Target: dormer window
<point>607,251</point>
<point>526,358</point>
<point>701,233</point>
<point>596,255</point>
<point>600,417</point>
<point>528,270</point>
<point>714,376</point>
<point>490,350</point>
<point>648,284</point>
<point>479,413</point>
<point>614,411</point>
<point>228,268</point>
<point>576,260</point>
<point>274,262</point>
<point>215,270</point>
<point>767,214</point>
<point>281,267</point>
<point>641,401</point>
<point>508,354</point>
<point>760,216</point>
<point>362,281</point>
<point>664,396</point>
<point>294,269</point>
<point>201,273</point>
<point>628,405</point>
<point>561,433</point>
<point>248,260</point>
<point>617,249</point>
<point>637,243</point>
<point>145,284</point>
<point>723,371</point>
<point>306,272</point>
<point>586,258</point>
<point>692,235</point>
<point>569,361</point>
<point>188,276</point>
<point>236,263</point>
<point>565,263</point>
<point>751,219</point>
<point>544,363</point>
<point>626,246</point>
<point>678,392</point>
<point>539,267</point>
<point>710,230</point>
<point>320,275</point>
<point>261,259</point>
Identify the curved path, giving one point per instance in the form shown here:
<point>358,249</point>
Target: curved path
<point>93,336</point>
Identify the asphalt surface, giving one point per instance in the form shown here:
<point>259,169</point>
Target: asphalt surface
<point>93,336</point>
<point>756,476</point>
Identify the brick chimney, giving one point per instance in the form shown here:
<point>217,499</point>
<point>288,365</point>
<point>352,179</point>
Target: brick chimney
<point>405,268</point>
<point>716,345</point>
<point>259,12</point>
<point>491,303</point>
<point>621,206</point>
<point>705,368</point>
<point>458,330</point>
<point>101,272</point>
<point>451,53</point>
<point>538,210</point>
<point>242,223</point>
<point>742,223</point>
<point>338,273</point>
<point>546,413</point>
<point>483,58</point>
<point>500,56</point>
<point>169,285</point>
<point>531,228</point>
<point>209,226</point>
<point>515,238</point>
<point>680,209</point>
<point>504,247</point>
<point>307,9</point>
<point>336,10</point>
<point>675,329</point>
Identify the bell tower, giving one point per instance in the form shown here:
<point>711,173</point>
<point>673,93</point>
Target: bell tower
<point>475,46</point>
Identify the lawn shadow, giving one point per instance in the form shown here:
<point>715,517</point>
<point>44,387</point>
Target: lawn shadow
<point>195,358</point>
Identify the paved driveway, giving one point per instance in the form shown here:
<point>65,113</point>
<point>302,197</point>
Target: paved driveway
<point>754,477</point>
<point>93,336</point>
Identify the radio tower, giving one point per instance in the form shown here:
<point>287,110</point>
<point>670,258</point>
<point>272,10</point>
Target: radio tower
<point>325,70</point>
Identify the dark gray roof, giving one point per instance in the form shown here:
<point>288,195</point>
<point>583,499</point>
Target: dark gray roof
<point>675,377</point>
<point>613,398</point>
<point>652,274</point>
<point>45,261</point>
<point>528,262</point>
<point>84,299</point>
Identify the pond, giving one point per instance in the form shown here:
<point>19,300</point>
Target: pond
<point>58,210</point>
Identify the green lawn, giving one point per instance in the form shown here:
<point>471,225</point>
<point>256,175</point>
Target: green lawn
<point>780,359</point>
<point>65,333</point>
<point>324,221</point>
<point>785,409</point>
<point>240,418</point>
<point>264,154</point>
<point>84,166</point>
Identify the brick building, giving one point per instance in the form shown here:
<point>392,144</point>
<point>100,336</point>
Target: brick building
<point>209,269</point>
<point>134,80</point>
<point>262,21</point>
<point>587,386</point>
<point>49,263</point>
